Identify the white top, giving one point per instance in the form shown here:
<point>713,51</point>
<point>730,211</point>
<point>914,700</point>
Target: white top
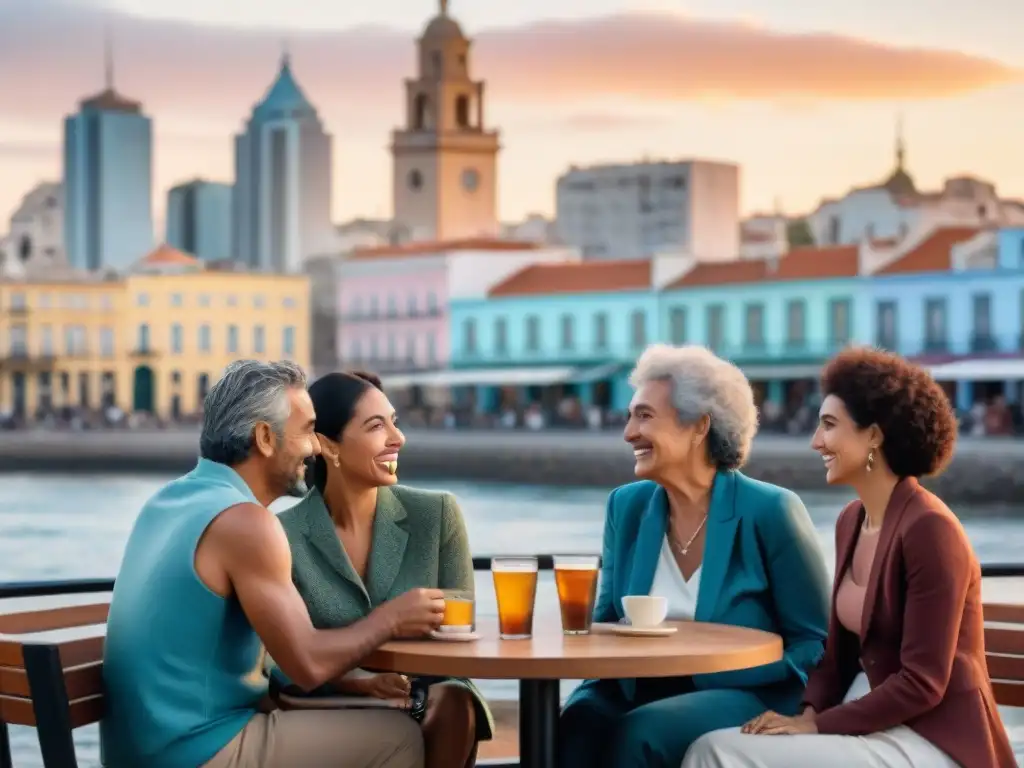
<point>670,584</point>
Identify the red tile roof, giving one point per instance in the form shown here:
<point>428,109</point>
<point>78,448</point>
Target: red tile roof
<point>798,264</point>
<point>443,246</point>
<point>933,254</point>
<point>165,255</point>
<point>577,277</point>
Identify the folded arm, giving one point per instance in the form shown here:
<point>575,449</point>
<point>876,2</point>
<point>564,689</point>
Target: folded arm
<point>939,566</point>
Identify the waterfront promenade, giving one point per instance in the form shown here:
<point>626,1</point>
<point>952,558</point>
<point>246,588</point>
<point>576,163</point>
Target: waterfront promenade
<point>984,469</point>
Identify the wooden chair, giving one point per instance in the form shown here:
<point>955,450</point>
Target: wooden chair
<point>1004,652</point>
<point>51,677</point>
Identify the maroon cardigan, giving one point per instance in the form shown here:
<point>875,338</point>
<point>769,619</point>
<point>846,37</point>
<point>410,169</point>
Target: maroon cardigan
<point>922,642</point>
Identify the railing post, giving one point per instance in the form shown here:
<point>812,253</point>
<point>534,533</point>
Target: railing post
<point>51,706</point>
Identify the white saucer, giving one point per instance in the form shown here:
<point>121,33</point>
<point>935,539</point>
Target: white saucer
<point>455,637</point>
<point>631,631</point>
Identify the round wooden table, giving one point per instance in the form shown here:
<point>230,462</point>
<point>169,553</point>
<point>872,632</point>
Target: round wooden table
<point>539,664</point>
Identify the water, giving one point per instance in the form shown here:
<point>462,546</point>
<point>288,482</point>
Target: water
<point>75,527</point>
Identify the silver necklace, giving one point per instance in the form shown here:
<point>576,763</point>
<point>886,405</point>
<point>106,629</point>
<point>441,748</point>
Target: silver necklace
<point>686,547</point>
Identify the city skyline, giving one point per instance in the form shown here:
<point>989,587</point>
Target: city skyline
<point>802,124</point>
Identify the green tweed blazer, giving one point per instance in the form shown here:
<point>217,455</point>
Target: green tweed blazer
<point>419,540</point>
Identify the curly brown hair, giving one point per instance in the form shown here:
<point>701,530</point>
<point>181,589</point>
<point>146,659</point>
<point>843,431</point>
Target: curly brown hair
<point>916,418</point>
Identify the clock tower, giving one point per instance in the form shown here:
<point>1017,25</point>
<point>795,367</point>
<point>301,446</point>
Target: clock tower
<point>445,161</point>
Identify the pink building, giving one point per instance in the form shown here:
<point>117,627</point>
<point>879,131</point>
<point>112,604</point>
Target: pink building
<point>393,301</point>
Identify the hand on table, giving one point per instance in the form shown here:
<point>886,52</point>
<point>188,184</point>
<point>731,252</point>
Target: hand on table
<point>415,613</point>
<point>773,724</point>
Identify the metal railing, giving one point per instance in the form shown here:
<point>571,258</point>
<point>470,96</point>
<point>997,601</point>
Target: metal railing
<point>545,562</point>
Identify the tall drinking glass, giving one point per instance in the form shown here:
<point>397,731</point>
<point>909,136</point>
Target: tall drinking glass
<point>515,586</point>
<point>576,580</point>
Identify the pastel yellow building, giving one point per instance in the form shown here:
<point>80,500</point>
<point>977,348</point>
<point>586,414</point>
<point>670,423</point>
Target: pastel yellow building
<point>151,341</point>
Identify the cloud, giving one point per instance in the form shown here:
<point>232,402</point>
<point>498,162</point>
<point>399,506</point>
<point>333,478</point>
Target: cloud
<point>51,56</point>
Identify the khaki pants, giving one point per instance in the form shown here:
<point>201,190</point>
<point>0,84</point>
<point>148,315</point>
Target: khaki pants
<point>325,738</point>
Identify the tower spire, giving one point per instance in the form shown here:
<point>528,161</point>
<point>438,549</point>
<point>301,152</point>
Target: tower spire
<point>286,53</point>
<point>108,61</point>
<point>901,150</point>
<point>443,5</point>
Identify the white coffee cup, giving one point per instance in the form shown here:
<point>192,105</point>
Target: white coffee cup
<point>644,611</point>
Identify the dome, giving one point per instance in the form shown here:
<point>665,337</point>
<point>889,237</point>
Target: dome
<point>901,184</point>
<point>443,27</point>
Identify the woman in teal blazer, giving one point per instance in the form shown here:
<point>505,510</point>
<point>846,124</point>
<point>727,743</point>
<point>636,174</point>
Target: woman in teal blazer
<point>722,548</point>
<point>358,540</point>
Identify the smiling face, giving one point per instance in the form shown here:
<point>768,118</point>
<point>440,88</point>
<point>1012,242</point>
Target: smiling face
<point>286,454</point>
<point>661,443</point>
<point>844,446</point>
<point>369,445</point>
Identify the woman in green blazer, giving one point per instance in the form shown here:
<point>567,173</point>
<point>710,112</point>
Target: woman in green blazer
<point>359,540</point>
<point>719,546</point>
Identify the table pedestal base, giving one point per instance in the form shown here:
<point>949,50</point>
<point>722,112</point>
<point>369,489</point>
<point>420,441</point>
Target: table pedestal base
<point>539,705</point>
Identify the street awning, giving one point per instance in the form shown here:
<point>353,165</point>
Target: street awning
<point>497,377</point>
<point>999,369</point>
<point>781,371</point>
<point>597,373</point>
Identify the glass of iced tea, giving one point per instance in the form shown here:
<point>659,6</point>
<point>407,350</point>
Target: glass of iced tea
<point>459,611</point>
<point>515,586</point>
<point>576,580</point>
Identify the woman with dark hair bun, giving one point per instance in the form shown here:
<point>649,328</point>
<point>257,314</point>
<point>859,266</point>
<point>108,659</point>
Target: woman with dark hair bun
<point>359,539</point>
<point>904,682</point>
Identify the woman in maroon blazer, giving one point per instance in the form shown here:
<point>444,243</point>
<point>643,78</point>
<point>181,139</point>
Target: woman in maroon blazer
<point>904,667</point>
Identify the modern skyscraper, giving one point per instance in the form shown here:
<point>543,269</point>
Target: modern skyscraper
<point>108,187</point>
<point>445,161</point>
<point>199,219</point>
<point>282,197</point>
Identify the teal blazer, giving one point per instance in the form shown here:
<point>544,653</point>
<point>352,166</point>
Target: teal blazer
<point>763,568</point>
<point>419,540</point>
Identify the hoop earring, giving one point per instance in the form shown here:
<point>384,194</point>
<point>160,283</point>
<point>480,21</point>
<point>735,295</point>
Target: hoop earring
<point>871,459</point>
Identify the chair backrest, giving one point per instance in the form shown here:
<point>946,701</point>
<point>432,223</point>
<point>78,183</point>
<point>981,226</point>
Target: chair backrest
<point>1004,652</point>
<point>51,661</point>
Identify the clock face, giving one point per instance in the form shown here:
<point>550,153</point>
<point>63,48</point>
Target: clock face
<point>470,179</point>
<point>415,180</point>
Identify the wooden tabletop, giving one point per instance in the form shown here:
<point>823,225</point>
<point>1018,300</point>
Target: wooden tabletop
<point>696,648</point>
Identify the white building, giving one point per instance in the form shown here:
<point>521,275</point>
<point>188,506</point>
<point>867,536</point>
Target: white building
<point>282,197</point>
<point>445,160</point>
<point>895,209</point>
<point>35,240</point>
<point>637,210</point>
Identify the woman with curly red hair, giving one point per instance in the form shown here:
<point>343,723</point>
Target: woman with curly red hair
<point>903,683</point>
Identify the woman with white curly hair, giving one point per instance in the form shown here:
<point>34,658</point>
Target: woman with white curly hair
<point>719,546</point>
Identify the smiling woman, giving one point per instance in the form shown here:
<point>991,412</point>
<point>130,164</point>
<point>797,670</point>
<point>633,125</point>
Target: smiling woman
<point>718,546</point>
<point>360,540</point>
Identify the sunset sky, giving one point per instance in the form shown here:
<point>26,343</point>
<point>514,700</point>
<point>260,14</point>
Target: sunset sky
<point>804,95</point>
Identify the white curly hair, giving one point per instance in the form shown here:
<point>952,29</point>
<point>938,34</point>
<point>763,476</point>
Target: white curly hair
<point>705,384</point>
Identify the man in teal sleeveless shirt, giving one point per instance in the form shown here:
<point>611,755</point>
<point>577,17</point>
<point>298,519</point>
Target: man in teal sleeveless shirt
<point>205,586</point>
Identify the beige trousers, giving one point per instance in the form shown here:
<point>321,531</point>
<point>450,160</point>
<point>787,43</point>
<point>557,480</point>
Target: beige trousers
<point>325,738</point>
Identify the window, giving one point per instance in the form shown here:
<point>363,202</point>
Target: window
<point>533,334</point>
<point>204,338</point>
<point>567,332</point>
<point>257,301</point>
<point>469,336</point>
<point>677,325</point>
<point>373,306</point>
<point>600,331</point>
<point>431,349</point>
<point>142,299</point>
<point>500,336</point>
<point>107,342</point>
<point>18,339</point>
<point>288,341</point>
<point>18,301</point>
<point>796,323</point>
<point>177,339</point>
<point>885,332</point>
<point>232,339</point>
<point>410,348</point>
<point>143,338</point>
<point>176,300</point>
<point>410,305</point>
<point>259,342</point>
<point>935,325</point>
<point>432,303</point>
<point>839,323</point>
<point>392,349</point>
<point>289,302</point>
<point>47,345</point>
<point>755,326</point>
<point>716,327</point>
<point>204,300</point>
<point>638,328</point>
<point>982,340</point>
<point>392,306</point>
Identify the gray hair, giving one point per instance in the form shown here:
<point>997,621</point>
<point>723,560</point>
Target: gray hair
<point>250,391</point>
<point>705,385</point>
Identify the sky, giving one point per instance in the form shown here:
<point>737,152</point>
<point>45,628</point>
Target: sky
<point>804,95</point>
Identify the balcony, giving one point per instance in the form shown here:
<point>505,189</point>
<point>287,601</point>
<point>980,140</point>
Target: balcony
<point>352,318</point>
<point>144,352</point>
<point>23,360</point>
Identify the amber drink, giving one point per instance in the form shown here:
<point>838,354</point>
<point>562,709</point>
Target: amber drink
<point>515,587</point>
<point>576,580</point>
<point>459,611</point>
